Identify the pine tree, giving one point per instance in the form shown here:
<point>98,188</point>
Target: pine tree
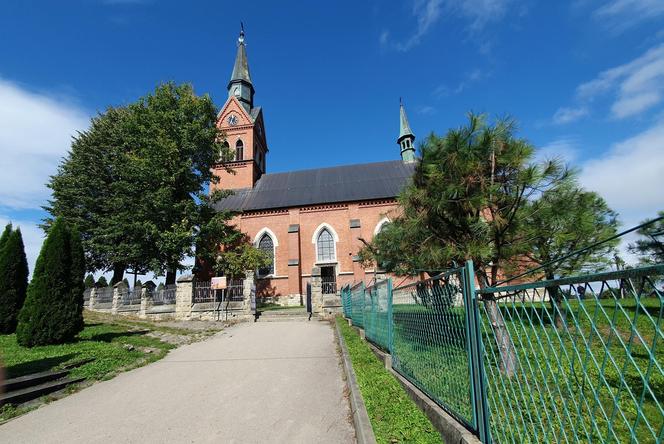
<point>649,247</point>
<point>13,281</point>
<point>52,313</point>
<point>89,281</point>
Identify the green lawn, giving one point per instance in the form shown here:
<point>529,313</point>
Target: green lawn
<point>394,416</point>
<point>114,344</point>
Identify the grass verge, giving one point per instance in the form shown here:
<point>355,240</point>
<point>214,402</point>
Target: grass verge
<point>115,345</point>
<point>394,416</point>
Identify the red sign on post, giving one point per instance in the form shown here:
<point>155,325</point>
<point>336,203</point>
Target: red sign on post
<point>218,283</point>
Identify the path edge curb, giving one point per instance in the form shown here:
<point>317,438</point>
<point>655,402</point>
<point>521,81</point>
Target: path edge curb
<point>363,430</point>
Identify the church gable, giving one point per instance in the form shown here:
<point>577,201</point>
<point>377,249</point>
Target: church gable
<point>233,114</point>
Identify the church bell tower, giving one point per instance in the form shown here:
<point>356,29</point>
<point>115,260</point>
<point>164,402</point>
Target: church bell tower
<point>243,126</point>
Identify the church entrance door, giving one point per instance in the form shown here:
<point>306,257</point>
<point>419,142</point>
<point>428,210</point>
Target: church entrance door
<point>329,279</point>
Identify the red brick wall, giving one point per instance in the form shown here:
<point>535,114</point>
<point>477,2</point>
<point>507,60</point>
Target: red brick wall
<point>289,280</point>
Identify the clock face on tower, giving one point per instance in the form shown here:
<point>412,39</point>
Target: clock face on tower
<point>236,91</point>
<point>232,120</point>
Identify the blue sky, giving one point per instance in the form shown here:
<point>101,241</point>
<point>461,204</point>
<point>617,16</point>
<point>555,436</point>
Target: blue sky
<point>585,80</point>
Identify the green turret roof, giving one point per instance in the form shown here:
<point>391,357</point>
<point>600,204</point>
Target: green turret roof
<point>404,126</point>
<point>241,67</point>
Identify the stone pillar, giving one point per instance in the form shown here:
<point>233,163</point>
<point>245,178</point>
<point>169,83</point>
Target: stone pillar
<point>117,293</point>
<point>355,226</point>
<point>248,285</point>
<point>294,258</point>
<point>316,291</point>
<point>93,297</point>
<point>184,297</point>
<point>146,303</point>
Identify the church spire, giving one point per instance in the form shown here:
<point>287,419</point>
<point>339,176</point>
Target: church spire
<point>240,84</point>
<point>406,136</point>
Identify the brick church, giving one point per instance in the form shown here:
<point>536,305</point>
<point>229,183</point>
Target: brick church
<point>308,218</point>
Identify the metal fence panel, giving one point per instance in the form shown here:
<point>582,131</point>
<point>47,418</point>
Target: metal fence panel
<point>431,343</point>
<point>589,358</point>
<point>377,311</point>
<point>357,300</point>
<point>104,295</point>
<point>165,295</point>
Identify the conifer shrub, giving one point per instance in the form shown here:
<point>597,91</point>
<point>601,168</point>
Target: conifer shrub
<point>102,282</point>
<point>13,280</point>
<point>53,309</point>
<point>5,234</point>
<point>89,281</point>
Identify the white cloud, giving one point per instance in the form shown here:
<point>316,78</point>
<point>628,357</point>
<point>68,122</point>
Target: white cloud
<point>568,115</point>
<point>622,14</point>
<point>474,76</point>
<point>35,133</point>
<point>477,13</point>
<point>635,86</point>
<point>630,176</point>
<point>427,13</point>
<point>426,110</point>
<point>564,149</point>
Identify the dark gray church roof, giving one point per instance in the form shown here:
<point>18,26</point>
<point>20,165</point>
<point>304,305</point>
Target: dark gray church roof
<point>348,183</point>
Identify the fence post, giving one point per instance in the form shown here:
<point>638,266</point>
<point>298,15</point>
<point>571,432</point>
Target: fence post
<point>146,302</point>
<point>316,291</point>
<point>116,297</point>
<point>93,296</point>
<point>248,284</point>
<point>476,354</point>
<point>390,322</point>
<point>184,294</point>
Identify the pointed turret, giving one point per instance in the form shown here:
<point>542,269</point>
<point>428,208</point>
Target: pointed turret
<point>406,136</point>
<point>240,84</point>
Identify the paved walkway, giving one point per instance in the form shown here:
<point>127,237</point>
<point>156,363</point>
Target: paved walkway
<point>276,382</point>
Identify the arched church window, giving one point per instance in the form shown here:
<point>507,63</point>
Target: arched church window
<point>239,150</point>
<point>325,246</point>
<point>266,245</point>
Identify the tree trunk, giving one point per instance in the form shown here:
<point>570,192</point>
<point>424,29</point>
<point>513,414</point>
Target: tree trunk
<point>118,273</point>
<point>556,296</point>
<point>508,359</point>
<point>170,276</point>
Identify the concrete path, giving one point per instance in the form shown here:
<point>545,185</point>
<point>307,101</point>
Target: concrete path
<point>277,382</point>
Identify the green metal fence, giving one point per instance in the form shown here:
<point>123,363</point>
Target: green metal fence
<point>357,304</point>
<point>345,301</point>
<point>572,360</point>
<point>377,313</point>
<point>578,359</point>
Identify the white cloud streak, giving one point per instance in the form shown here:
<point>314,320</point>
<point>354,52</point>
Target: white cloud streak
<point>632,88</point>
<point>477,14</point>
<point>623,14</point>
<point>636,86</point>
<point>35,133</point>
<point>569,115</point>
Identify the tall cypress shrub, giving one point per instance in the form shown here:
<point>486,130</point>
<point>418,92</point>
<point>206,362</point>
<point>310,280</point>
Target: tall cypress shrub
<point>5,235</point>
<point>13,280</point>
<point>52,313</point>
<point>89,281</point>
